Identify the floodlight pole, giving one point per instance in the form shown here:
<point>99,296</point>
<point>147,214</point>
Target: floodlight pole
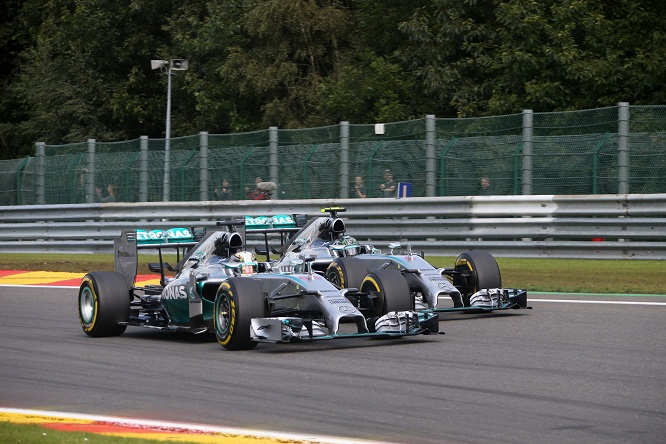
<point>175,65</point>
<point>167,160</point>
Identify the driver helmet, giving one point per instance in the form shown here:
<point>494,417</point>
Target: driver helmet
<point>352,248</point>
<point>243,261</point>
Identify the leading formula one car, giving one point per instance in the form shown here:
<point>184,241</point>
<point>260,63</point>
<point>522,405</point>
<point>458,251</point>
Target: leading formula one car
<point>219,287</point>
<point>474,284</point>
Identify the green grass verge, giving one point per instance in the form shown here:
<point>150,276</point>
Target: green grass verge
<point>552,275</point>
<point>75,263</point>
<point>579,275</point>
<point>32,433</point>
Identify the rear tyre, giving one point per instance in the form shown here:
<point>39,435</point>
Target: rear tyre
<point>238,300</point>
<point>479,270</point>
<point>347,272</point>
<point>104,304</point>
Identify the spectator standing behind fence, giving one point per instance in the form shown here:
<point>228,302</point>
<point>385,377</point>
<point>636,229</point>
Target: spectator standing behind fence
<point>486,189</point>
<point>224,192</point>
<point>360,190</point>
<point>262,190</point>
<point>389,186</point>
<point>110,194</point>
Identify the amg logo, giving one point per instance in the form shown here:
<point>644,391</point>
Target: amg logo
<point>338,301</point>
<point>432,275</point>
<point>174,293</point>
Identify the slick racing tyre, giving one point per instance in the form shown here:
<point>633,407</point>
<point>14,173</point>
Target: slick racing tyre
<point>389,290</point>
<point>238,300</point>
<point>347,272</point>
<point>478,270</point>
<point>104,304</point>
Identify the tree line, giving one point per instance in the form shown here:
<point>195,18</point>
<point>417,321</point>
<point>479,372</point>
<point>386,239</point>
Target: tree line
<point>77,69</point>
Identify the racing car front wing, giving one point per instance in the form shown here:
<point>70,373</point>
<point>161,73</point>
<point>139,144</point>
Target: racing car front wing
<point>492,299</point>
<point>293,329</point>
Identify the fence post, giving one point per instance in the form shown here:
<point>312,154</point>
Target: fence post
<point>528,132</point>
<point>623,148</point>
<point>273,156</point>
<point>203,165</point>
<point>344,160</point>
<point>39,169</point>
<point>143,169</point>
<point>595,163</point>
<point>90,179</point>
<point>19,180</point>
<point>430,155</point>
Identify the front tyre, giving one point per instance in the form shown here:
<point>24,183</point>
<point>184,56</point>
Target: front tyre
<point>238,300</point>
<point>347,272</point>
<point>477,270</point>
<point>104,304</point>
<point>389,291</point>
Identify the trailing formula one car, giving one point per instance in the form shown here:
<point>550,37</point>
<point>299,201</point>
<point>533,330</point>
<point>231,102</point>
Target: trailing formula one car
<point>474,284</point>
<point>220,288</point>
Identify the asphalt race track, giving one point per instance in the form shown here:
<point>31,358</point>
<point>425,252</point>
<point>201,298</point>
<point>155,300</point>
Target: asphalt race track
<point>563,372</point>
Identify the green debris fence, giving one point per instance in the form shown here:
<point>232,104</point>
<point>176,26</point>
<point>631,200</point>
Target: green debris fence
<point>612,150</point>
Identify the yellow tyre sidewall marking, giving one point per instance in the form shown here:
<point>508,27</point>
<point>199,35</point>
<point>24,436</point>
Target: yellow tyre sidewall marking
<point>372,281</point>
<point>342,276</point>
<point>91,288</point>
<point>232,307</point>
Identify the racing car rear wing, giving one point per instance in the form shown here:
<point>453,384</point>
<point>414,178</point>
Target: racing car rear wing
<point>283,225</point>
<point>180,240</point>
<point>126,246</point>
<point>277,221</point>
<point>172,235</point>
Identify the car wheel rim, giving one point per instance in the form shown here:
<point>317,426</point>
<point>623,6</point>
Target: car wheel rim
<point>334,278</point>
<point>223,315</point>
<point>370,290</point>
<point>87,305</point>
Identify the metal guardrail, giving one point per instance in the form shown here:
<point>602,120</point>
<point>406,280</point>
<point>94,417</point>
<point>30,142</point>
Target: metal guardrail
<point>629,226</point>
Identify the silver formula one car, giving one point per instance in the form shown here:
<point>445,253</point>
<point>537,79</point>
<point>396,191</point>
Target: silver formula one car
<point>219,287</point>
<point>473,284</point>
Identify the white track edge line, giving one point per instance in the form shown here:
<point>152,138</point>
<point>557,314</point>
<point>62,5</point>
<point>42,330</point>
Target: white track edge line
<point>574,301</point>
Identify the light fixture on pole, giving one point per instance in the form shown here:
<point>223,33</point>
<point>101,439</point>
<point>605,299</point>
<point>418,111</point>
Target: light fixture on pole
<point>170,65</point>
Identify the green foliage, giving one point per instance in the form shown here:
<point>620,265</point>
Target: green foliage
<point>77,69</point>
<point>502,57</point>
<point>295,44</point>
<point>85,75</point>
<point>368,88</point>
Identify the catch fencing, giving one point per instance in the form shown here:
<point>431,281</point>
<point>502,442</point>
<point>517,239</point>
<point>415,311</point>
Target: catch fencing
<point>631,226</point>
<point>614,150</point>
